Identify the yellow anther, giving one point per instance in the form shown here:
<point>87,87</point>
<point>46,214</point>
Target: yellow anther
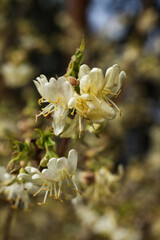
<point>56,109</point>
<point>41,100</point>
<point>40,204</point>
<point>57,101</point>
<point>63,106</point>
<point>45,115</point>
<point>45,189</point>
<point>58,198</point>
<point>72,113</point>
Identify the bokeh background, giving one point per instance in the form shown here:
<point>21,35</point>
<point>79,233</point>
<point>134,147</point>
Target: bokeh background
<point>39,37</point>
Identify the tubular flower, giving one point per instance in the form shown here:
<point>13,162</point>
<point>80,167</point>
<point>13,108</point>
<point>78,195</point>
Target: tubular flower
<point>16,192</point>
<point>94,102</point>
<point>57,177</point>
<point>57,94</point>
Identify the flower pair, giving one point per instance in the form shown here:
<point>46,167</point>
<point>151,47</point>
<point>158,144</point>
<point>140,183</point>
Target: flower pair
<point>93,102</point>
<point>56,178</point>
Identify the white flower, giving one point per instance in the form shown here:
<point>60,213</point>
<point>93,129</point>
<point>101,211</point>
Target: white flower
<point>19,192</point>
<point>16,192</point>
<point>105,183</point>
<point>57,177</point>
<point>94,102</point>
<point>17,75</point>
<point>57,93</point>
<point>94,83</point>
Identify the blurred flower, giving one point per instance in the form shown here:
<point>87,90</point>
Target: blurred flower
<point>17,76</point>
<point>16,192</point>
<point>104,185</point>
<point>57,93</point>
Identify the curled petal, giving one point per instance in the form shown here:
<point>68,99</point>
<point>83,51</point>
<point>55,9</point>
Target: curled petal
<point>59,120</point>
<point>72,161</point>
<point>84,70</point>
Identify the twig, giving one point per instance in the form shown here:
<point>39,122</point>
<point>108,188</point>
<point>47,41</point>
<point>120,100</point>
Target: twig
<point>7,224</point>
<point>63,146</point>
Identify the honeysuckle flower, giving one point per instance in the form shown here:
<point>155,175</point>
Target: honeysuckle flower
<point>57,177</point>
<point>16,192</point>
<point>105,182</point>
<point>94,102</point>
<point>94,83</point>
<point>5,178</point>
<point>57,94</point>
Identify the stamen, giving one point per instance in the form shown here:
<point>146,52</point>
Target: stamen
<point>40,204</point>
<point>80,126</point>
<point>72,113</point>
<point>63,106</point>
<point>71,175</point>
<point>68,182</point>
<point>42,188</point>
<point>45,115</point>
<point>114,104</point>
<point>41,100</point>
<point>60,118</point>
<point>56,102</point>
<point>51,189</point>
<point>45,196</point>
<point>118,93</point>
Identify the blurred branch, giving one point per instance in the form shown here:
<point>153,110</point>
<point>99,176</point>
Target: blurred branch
<point>7,224</point>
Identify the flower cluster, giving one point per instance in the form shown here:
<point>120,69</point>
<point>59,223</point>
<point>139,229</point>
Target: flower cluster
<point>17,192</point>
<point>92,102</point>
<point>56,178</point>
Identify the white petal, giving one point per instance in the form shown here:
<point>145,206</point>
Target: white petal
<point>108,111</point>
<point>37,176</point>
<point>84,70</point>
<point>59,120</point>
<point>31,170</point>
<point>61,163</point>
<point>68,91</point>
<point>61,81</point>
<point>72,161</point>
<point>51,90</point>
<point>24,176</point>
<point>72,102</point>
<point>40,84</point>
<point>84,84</point>
<point>52,163</point>
<point>114,79</point>
<point>96,80</point>
<point>48,174</point>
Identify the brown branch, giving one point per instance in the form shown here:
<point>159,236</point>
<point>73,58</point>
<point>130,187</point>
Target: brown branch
<point>7,224</point>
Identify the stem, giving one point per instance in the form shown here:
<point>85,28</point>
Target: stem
<point>7,223</point>
<point>63,146</point>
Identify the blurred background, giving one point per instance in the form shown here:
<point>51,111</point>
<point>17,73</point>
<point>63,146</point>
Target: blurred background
<point>39,37</point>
